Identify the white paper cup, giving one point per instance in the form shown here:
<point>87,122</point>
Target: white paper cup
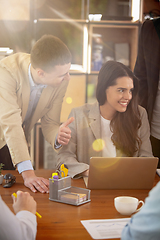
<point>127,205</point>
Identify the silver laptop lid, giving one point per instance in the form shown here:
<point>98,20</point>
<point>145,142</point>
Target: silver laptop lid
<point>122,172</point>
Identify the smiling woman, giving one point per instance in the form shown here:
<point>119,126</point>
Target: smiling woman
<point>117,94</point>
<point>113,126</point>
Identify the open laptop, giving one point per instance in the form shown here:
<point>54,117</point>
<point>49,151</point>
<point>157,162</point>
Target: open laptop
<point>121,173</point>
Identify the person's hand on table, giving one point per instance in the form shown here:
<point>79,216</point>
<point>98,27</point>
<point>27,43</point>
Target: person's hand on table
<point>24,201</point>
<point>35,183</point>
<point>64,133</point>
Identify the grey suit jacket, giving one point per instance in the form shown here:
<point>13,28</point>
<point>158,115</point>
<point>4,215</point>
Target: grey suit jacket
<point>14,100</point>
<point>86,128</point>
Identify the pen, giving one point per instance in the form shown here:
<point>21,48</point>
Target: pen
<point>38,215</point>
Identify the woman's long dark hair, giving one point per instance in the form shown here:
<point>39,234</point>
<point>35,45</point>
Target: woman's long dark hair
<point>124,125</point>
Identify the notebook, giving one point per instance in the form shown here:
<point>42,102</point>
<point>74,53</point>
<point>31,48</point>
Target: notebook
<point>121,173</point>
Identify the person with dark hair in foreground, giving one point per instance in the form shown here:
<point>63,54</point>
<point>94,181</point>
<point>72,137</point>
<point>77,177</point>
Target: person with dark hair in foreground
<point>111,127</point>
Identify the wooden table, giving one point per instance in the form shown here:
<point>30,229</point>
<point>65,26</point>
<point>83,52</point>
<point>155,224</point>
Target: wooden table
<point>62,221</point>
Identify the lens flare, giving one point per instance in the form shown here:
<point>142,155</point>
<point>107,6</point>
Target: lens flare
<point>69,100</point>
<point>98,145</point>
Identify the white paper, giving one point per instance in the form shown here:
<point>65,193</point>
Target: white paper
<point>105,228</point>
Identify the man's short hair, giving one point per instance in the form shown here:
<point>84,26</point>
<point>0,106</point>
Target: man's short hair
<point>48,52</point>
